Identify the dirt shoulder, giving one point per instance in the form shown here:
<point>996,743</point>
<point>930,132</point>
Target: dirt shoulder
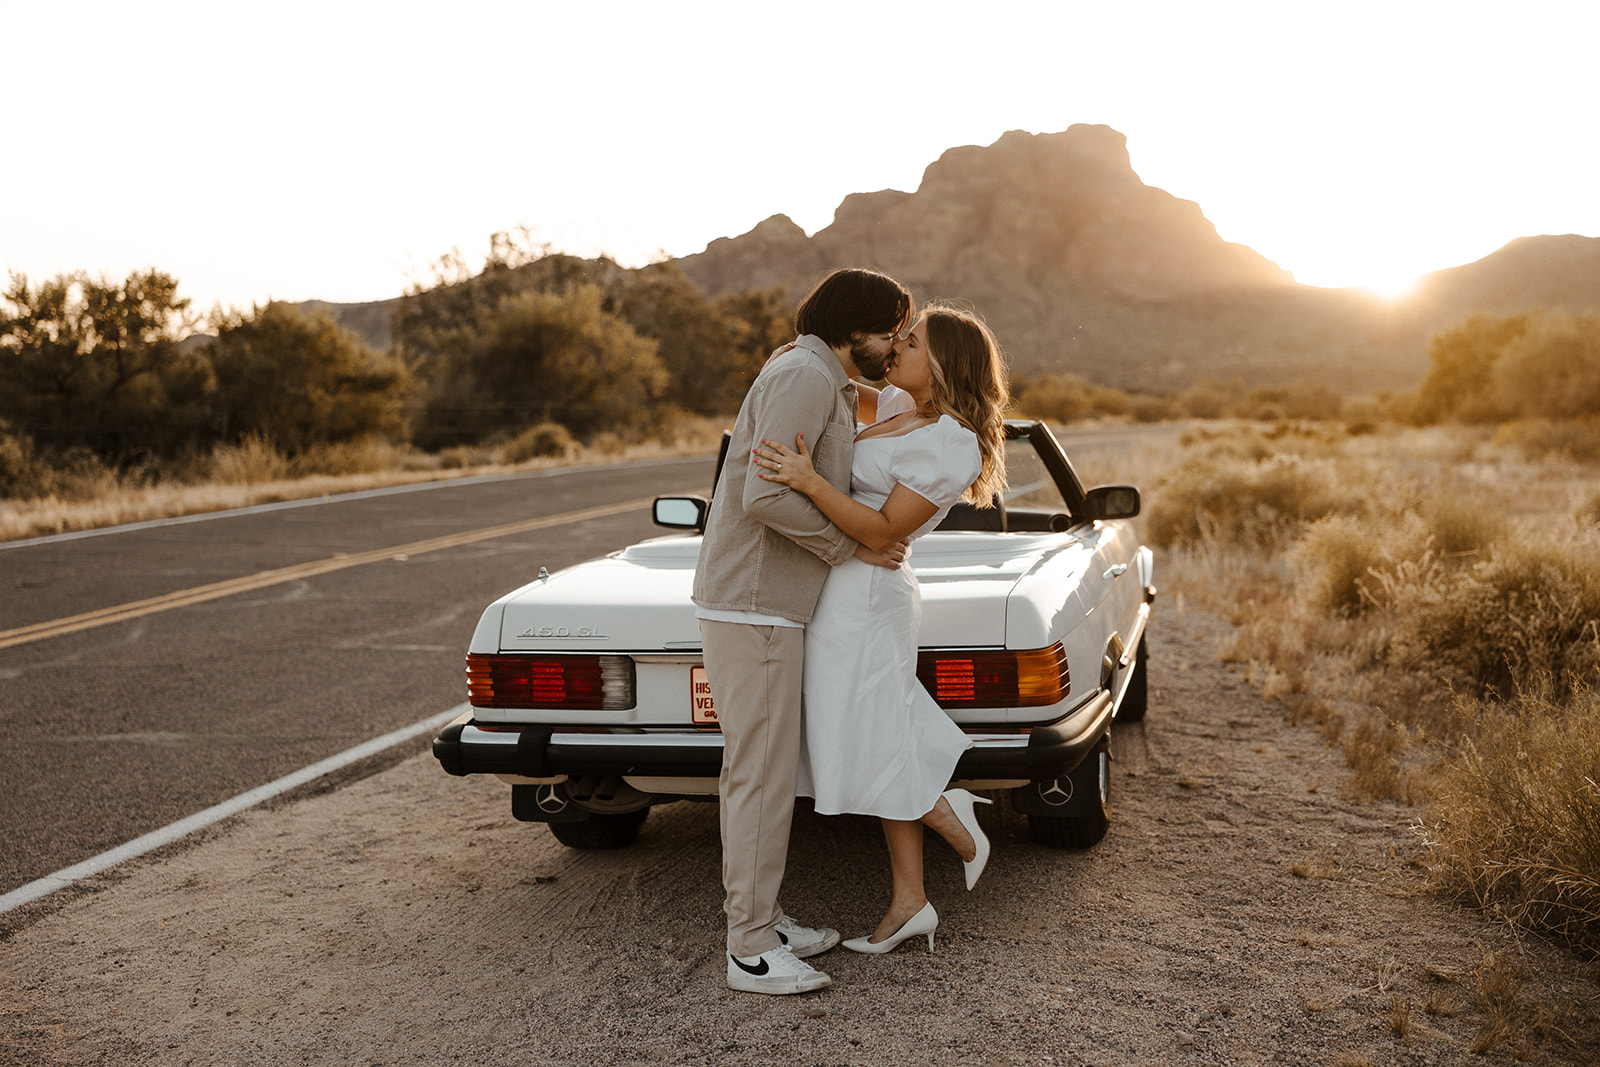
<point>1242,910</point>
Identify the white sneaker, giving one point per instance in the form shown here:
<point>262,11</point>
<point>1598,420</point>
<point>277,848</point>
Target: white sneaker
<point>803,941</point>
<point>775,971</point>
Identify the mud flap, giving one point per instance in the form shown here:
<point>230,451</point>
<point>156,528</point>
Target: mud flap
<point>545,802</point>
<point>1072,796</point>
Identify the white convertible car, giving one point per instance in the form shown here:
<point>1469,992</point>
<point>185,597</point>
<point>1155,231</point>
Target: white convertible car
<point>589,698</point>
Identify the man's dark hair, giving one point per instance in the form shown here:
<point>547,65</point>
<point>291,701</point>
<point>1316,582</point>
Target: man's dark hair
<point>854,301</point>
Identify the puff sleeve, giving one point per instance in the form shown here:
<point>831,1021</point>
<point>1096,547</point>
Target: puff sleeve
<point>939,462</point>
<point>892,401</point>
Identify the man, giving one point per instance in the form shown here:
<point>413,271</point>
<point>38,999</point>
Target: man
<point>765,554</point>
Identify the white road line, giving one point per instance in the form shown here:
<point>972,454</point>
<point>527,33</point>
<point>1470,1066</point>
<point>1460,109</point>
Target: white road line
<point>183,827</point>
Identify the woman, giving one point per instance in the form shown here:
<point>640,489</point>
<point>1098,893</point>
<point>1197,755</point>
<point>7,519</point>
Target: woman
<point>875,742</point>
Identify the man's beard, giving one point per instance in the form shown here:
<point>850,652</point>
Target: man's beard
<point>872,365</point>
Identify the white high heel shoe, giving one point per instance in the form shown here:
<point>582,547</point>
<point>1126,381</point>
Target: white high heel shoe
<point>925,921</point>
<point>961,803</point>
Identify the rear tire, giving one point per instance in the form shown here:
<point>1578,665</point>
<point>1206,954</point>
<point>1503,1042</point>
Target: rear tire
<point>1136,698</point>
<point>1091,780</point>
<point>601,831</point>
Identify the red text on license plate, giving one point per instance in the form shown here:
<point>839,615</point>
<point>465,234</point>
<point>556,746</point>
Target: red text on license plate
<point>701,708</point>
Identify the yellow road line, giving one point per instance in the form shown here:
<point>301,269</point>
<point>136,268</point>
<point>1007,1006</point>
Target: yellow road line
<point>216,590</point>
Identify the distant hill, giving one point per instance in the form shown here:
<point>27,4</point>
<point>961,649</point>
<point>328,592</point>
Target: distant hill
<point>1554,273</point>
<point>1079,266</point>
<point>373,320</point>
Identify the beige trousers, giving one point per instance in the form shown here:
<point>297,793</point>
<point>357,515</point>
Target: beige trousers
<point>755,673</point>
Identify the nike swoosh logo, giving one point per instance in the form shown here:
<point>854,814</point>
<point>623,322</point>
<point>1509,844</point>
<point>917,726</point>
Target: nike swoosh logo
<point>747,968</point>
<point>781,938</point>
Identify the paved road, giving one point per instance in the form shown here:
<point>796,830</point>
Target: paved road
<point>319,627</point>
<point>149,673</point>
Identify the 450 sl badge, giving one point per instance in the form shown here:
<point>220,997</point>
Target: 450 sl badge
<point>563,632</point>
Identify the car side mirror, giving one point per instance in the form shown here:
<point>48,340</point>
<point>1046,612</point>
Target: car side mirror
<point>1112,502</point>
<point>682,512</point>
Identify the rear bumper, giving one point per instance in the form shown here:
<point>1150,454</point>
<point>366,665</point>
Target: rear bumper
<point>546,752</point>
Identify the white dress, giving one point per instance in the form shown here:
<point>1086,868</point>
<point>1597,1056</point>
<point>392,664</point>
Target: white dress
<point>874,742</point>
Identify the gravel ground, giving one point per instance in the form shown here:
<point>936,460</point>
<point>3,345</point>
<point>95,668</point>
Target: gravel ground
<point>1243,909</point>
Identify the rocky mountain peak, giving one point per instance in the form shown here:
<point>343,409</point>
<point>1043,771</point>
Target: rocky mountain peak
<point>1031,213</point>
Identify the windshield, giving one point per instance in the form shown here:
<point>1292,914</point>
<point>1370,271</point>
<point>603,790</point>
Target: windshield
<point>1028,483</point>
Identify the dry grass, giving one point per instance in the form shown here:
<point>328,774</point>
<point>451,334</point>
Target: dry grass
<point>1400,1017</point>
<point>1515,818</point>
<point>253,472</point>
<point>1498,995</point>
<point>1313,867</point>
<point>1430,603</point>
<point>1440,1005</point>
<point>1372,750</point>
<point>548,440</point>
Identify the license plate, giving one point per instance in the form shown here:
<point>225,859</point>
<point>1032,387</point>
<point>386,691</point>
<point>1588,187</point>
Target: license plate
<point>702,710</point>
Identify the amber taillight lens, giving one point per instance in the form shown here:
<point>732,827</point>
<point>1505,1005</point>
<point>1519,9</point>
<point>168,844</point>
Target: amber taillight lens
<point>579,683</point>
<point>1028,679</point>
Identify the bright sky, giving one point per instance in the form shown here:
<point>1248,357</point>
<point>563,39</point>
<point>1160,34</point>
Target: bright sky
<point>334,150</point>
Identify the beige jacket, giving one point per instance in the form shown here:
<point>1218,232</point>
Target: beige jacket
<point>767,548</point>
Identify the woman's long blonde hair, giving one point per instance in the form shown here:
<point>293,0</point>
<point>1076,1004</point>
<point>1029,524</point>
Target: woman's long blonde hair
<point>969,384</point>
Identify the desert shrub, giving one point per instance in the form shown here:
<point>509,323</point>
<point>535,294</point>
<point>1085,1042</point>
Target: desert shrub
<point>72,475</point>
<point>1058,397</point>
<point>1588,512</point>
<point>364,456</point>
<point>1371,408</point>
<point>1252,503</point>
<point>1552,368</point>
<point>19,476</point>
<point>1577,439</point>
<point>1371,749</point>
<point>253,461</point>
<point>1210,399</point>
<point>608,443</point>
<point>1528,366</point>
<point>1067,398</point>
<point>1524,619</point>
<point>1301,400</point>
<point>1460,381</point>
<point>1257,442</point>
<point>544,441</point>
<point>1147,408</point>
<point>1514,821</point>
<point>1337,555</point>
<point>1232,443</point>
<point>1462,522</point>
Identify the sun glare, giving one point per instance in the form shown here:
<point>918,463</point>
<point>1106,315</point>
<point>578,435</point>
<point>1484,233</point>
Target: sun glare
<point>1393,288</point>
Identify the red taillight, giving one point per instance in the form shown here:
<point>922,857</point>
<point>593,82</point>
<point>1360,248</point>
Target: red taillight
<point>580,683</point>
<point>1029,679</point>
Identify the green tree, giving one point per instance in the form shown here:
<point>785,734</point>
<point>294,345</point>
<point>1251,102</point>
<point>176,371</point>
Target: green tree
<point>711,349</point>
<point>89,362</point>
<point>543,357</point>
<point>435,318</point>
<point>759,321</point>
<point>301,379</point>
